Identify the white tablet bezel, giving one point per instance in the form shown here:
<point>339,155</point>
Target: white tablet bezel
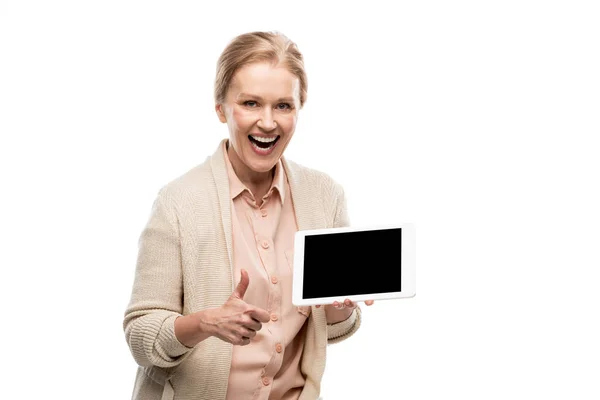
<point>408,266</point>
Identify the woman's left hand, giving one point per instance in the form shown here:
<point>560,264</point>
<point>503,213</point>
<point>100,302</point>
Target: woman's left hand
<point>338,312</point>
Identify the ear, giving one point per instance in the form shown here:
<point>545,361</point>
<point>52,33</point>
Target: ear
<point>220,113</point>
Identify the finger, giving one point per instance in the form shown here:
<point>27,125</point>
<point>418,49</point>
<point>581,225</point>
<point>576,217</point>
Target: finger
<point>338,305</point>
<point>253,325</point>
<point>244,341</point>
<point>349,303</point>
<point>260,315</point>
<point>244,332</point>
<point>369,302</point>
<point>240,289</point>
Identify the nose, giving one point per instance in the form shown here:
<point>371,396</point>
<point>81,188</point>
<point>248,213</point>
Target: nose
<point>266,121</point>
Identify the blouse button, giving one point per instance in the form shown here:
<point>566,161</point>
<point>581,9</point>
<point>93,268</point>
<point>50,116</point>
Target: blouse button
<point>266,381</point>
<point>265,244</point>
<point>274,279</point>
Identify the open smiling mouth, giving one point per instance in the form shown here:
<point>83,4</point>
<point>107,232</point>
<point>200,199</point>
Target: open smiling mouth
<point>263,142</point>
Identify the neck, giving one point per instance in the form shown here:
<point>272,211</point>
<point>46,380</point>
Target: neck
<point>252,179</point>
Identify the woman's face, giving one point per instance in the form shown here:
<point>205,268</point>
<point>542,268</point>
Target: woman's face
<point>261,110</point>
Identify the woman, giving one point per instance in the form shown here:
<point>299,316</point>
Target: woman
<point>210,315</point>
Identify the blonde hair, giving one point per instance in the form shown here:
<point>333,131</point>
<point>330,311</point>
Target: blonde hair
<point>254,47</point>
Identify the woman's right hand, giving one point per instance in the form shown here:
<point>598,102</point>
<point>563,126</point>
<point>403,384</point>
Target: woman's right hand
<point>236,321</point>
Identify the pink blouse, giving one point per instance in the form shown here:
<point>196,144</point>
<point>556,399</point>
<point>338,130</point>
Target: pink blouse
<point>263,244</point>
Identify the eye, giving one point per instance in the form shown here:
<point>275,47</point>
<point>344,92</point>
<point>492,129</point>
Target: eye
<point>284,106</point>
<point>250,103</point>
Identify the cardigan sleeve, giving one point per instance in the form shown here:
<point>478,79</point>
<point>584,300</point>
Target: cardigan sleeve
<point>344,329</point>
<point>156,299</point>
<point>341,218</point>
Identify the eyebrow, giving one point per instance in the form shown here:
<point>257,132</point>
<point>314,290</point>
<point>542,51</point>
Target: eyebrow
<point>288,99</point>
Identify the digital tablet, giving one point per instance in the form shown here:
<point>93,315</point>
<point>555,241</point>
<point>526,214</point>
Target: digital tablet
<point>356,263</point>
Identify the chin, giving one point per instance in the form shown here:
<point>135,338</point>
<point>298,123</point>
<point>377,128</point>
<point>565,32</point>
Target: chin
<point>262,165</point>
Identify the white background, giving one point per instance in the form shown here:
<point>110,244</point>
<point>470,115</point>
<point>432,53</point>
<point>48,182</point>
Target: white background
<point>476,120</point>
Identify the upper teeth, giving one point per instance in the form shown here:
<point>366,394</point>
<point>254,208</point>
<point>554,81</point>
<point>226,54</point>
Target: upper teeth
<point>264,139</point>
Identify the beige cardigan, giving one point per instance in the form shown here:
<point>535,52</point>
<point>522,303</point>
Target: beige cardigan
<point>184,265</point>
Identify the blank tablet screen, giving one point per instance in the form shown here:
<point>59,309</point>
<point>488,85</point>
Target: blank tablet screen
<point>352,263</point>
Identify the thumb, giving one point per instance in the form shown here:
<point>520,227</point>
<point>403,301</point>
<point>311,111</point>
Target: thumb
<point>240,289</point>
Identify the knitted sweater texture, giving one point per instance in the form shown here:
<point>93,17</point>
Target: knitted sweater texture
<point>184,265</point>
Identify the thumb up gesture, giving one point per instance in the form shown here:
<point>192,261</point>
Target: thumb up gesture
<point>236,321</point>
